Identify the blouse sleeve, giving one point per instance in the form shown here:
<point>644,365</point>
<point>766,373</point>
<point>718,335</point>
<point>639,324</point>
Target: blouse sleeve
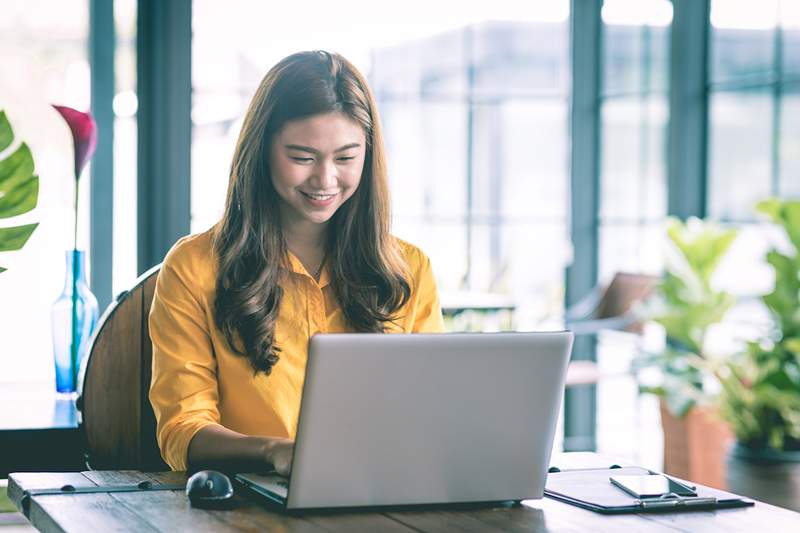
<point>427,316</point>
<point>183,390</point>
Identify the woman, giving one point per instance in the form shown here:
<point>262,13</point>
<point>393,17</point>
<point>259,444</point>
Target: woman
<point>303,247</point>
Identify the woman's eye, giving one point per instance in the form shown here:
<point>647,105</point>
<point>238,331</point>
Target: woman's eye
<point>302,159</point>
<point>350,158</point>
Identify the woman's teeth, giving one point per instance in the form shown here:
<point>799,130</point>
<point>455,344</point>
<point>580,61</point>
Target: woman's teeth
<point>318,196</point>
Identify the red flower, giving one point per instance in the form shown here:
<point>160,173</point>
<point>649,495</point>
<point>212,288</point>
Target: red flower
<point>84,135</point>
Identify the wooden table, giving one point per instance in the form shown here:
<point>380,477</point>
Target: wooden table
<point>170,511</point>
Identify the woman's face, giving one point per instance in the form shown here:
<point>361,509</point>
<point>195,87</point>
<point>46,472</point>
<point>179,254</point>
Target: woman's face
<point>316,165</point>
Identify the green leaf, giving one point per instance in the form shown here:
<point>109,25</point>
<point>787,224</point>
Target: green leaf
<point>6,133</point>
<point>702,245</point>
<point>19,189</point>
<point>655,390</point>
<point>15,169</point>
<point>21,198</point>
<point>770,207</point>
<point>784,300</point>
<point>15,238</point>
<point>785,213</point>
<point>793,345</point>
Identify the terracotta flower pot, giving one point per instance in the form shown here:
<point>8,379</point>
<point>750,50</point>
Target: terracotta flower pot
<point>695,445</point>
<point>766,475</point>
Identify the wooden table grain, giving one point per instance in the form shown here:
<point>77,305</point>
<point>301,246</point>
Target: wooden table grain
<point>170,511</point>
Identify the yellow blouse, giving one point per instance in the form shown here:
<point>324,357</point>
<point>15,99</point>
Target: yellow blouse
<point>197,379</point>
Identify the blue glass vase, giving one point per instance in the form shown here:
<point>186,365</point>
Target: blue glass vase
<point>68,354</point>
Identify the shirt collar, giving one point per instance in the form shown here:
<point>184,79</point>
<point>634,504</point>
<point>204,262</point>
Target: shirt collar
<point>297,267</point>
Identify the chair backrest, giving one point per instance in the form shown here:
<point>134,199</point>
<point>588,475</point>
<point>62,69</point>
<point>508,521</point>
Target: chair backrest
<point>116,417</point>
<point>625,291</point>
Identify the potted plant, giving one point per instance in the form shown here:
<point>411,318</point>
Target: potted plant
<point>686,305</point>
<point>760,395</point>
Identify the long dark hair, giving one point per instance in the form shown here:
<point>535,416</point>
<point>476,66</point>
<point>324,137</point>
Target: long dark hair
<point>369,276</point>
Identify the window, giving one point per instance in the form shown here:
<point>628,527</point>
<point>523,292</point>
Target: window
<point>44,61</point>
<point>754,141</point>
<point>634,116</point>
<point>743,106</point>
<point>634,113</point>
<point>125,141</point>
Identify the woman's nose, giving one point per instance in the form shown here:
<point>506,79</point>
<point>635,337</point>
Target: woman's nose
<point>326,176</point>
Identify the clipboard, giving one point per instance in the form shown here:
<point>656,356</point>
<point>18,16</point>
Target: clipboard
<point>590,489</point>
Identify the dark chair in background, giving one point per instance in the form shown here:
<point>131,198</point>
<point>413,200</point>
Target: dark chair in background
<point>116,417</point>
<point>611,306</point>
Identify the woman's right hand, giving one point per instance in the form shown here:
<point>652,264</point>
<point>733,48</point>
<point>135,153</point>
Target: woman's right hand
<point>278,453</point>
<point>219,448</point>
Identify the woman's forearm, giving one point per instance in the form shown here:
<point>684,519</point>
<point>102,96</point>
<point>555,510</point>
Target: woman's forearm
<point>220,448</point>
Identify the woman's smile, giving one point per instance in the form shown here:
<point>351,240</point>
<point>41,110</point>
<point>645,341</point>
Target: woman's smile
<point>319,200</point>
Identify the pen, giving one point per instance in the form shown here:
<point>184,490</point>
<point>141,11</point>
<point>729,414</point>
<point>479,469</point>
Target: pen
<point>666,503</point>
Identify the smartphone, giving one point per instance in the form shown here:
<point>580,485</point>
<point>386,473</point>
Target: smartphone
<point>651,486</point>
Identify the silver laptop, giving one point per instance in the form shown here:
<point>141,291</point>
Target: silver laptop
<point>423,419</point>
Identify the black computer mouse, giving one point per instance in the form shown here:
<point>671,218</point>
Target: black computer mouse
<point>209,489</point>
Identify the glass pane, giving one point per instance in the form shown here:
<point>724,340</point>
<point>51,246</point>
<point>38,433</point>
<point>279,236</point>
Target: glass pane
<point>636,45</point>
<point>517,57</point>
<point>633,168</point>
<point>630,248</point>
<point>622,59</point>
<point>44,62</point>
<point>790,145</point>
<point>410,69</point>
<point>743,39</point>
<point>445,243</point>
<point>628,422</point>
<point>427,146</point>
<point>212,149</point>
<point>658,67</point>
<point>508,259</point>
<point>740,153</point>
<point>125,141</point>
<point>790,24</point>
<point>520,165</point>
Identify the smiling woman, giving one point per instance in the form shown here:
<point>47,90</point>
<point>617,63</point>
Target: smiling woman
<point>303,247</point>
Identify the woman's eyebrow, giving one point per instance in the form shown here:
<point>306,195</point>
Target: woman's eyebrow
<point>315,151</point>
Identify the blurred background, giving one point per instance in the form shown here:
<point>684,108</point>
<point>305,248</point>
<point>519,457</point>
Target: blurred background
<point>535,150</point>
